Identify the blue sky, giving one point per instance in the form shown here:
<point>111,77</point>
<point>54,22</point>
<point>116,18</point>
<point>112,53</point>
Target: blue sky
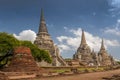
<point>65,19</point>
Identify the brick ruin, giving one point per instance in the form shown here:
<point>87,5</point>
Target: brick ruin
<point>22,61</point>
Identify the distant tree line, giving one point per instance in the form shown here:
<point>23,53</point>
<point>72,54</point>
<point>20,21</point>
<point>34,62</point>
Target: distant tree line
<point>8,42</point>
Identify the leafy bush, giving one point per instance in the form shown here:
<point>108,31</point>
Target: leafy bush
<point>37,53</point>
<point>9,42</point>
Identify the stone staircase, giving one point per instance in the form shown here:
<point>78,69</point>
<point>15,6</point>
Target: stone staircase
<point>61,60</point>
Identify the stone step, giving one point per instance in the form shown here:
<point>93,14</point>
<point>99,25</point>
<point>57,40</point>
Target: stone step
<point>22,76</point>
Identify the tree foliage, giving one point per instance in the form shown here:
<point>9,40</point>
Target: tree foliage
<point>9,42</point>
<point>38,54</point>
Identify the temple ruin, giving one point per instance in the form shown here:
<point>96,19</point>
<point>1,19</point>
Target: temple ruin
<point>44,41</point>
<point>90,58</point>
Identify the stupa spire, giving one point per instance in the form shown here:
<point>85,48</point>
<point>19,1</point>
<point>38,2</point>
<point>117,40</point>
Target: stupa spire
<point>83,40</point>
<point>42,26</point>
<point>102,45</point>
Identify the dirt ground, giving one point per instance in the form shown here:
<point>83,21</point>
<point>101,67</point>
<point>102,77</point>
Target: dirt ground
<point>87,76</point>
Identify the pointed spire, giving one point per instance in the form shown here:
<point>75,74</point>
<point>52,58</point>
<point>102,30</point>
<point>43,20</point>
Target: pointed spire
<point>83,40</point>
<point>102,45</point>
<point>42,15</point>
<point>42,26</point>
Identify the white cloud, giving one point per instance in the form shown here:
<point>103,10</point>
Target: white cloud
<point>65,28</point>
<point>63,47</point>
<point>118,21</point>
<point>115,3</point>
<point>68,43</point>
<point>61,38</point>
<point>76,32</point>
<point>115,7</point>
<point>26,35</point>
<point>115,30</point>
<point>112,43</point>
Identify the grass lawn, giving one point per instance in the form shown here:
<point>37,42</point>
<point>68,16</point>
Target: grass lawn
<point>80,69</point>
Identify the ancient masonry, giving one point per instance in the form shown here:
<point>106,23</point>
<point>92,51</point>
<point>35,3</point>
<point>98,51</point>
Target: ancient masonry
<point>89,58</point>
<point>103,57</point>
<point>44,41</point>
<point>22,61</point>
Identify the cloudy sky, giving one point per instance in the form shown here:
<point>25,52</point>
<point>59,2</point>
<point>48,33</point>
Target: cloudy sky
<point>65,19</point>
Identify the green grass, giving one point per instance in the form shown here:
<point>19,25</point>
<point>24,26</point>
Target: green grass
<point>91,69</point>
<point>61,70</point>
<point>80,69</point>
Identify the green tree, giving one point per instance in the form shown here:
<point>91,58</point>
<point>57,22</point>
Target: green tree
<point>9,42</point>
<point>37,53</point>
